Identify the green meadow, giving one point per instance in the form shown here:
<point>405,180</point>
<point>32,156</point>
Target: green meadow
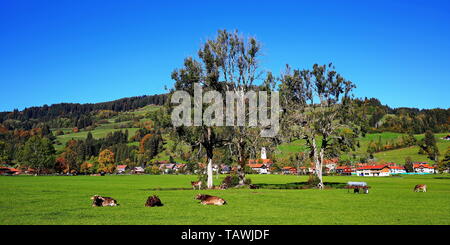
<point>65,200</point>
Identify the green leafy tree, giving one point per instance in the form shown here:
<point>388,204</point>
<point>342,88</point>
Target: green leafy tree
<point>428,145</point>
<point>444,165</point>
<point>409,166</point>
<point>38,153</point>
<point>4,154</point>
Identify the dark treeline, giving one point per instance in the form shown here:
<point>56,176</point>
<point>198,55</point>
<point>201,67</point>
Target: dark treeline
<point>76,115</point>
<point>381,117</point>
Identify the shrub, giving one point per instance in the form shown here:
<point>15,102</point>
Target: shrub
<point>152,170</point>
<point>230,181</point>
<point>313,180</point>
<point>247,181</point>
<point>233,180</point>
<point>59,132</point>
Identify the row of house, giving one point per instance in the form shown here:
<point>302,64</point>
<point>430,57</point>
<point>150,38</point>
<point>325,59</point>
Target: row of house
<point>163,167</point>
<point>5,170</point>
<point>362,169</point>
<point>384,169</point>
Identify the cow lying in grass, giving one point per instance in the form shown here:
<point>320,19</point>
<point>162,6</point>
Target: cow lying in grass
<point>418,188</point>
<point>99,201</point>
<point>153,201</point>
<point>210,200</point>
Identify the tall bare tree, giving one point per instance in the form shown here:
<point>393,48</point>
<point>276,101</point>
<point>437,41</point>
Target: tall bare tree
<point>204,138</point>
<point>318,108</point>
<point>234,61</point>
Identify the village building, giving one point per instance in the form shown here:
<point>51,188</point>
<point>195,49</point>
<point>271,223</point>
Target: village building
<point>179,167</point>
<point>397,169</point>
<point>166,168</point>
<point>138,170</point>
<point>225,169</point>
<point>423,168</point>
<point>373,170</point>
<point>262,165</point>
<point>303,170</point>
<point>330,165</point>
<point>289,170</point>
<point>344,170</point>
<point>9,171</point>
<point>121,169</point>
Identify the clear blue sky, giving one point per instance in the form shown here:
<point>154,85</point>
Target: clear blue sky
<point>94,51</point>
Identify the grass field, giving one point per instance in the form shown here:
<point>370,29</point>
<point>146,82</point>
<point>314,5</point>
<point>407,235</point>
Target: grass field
<point>65,200</point>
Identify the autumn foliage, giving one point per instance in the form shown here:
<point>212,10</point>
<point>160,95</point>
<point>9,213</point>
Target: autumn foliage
<point>106,161</point>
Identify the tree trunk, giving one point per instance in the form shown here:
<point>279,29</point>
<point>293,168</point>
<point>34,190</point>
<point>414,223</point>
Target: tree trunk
<point>320,174</point>
<point>241,162</point>
<point>318,160</point>
<point>209,172</point>
<point>209,155</point>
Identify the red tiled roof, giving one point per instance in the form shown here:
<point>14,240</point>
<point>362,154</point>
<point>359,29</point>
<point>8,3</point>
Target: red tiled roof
<point>422,165</point>
<point>372,167</point>
<point>396,167</point>
<point>122,166</point>
<point>332,160</point>
<point>256,161</point>
<point>9,169</point>
<point>256,165</point>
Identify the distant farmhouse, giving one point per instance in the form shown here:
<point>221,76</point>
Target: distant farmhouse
<point>373,170</point>
<point>121,169</point>
<point>262,165</point>
<point>423,168</point>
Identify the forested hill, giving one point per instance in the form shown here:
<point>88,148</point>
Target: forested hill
<point>28,117</point>
<point>381,117</point>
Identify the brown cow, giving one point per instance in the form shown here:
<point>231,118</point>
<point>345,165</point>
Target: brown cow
<point>99,201</point>
<point>210,200</point>
<point>196,183</point>
<point>421,187</point>
<point>153,201</point>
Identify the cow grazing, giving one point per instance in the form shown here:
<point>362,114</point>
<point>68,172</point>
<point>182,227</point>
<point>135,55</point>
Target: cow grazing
<point>418,188</point>
<point>153,201</point>
<point>99,201</point>
<point>196,184</point>
<point>210,200</point>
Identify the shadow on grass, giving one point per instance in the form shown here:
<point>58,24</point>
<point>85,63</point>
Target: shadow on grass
<point>167,189</point>
<point>441,177</point>
<point>300,185</point>
<point>287,186</point>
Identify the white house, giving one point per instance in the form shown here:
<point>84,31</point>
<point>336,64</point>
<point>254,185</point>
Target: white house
<point>262,166</point>
<point>121,168</point>
<point>138,170</point>
<point>423,168</point>
<point>373,170</point>
<point>397,169</point>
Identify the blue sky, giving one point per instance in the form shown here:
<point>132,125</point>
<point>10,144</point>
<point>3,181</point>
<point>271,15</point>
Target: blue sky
<point>94,51</point>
